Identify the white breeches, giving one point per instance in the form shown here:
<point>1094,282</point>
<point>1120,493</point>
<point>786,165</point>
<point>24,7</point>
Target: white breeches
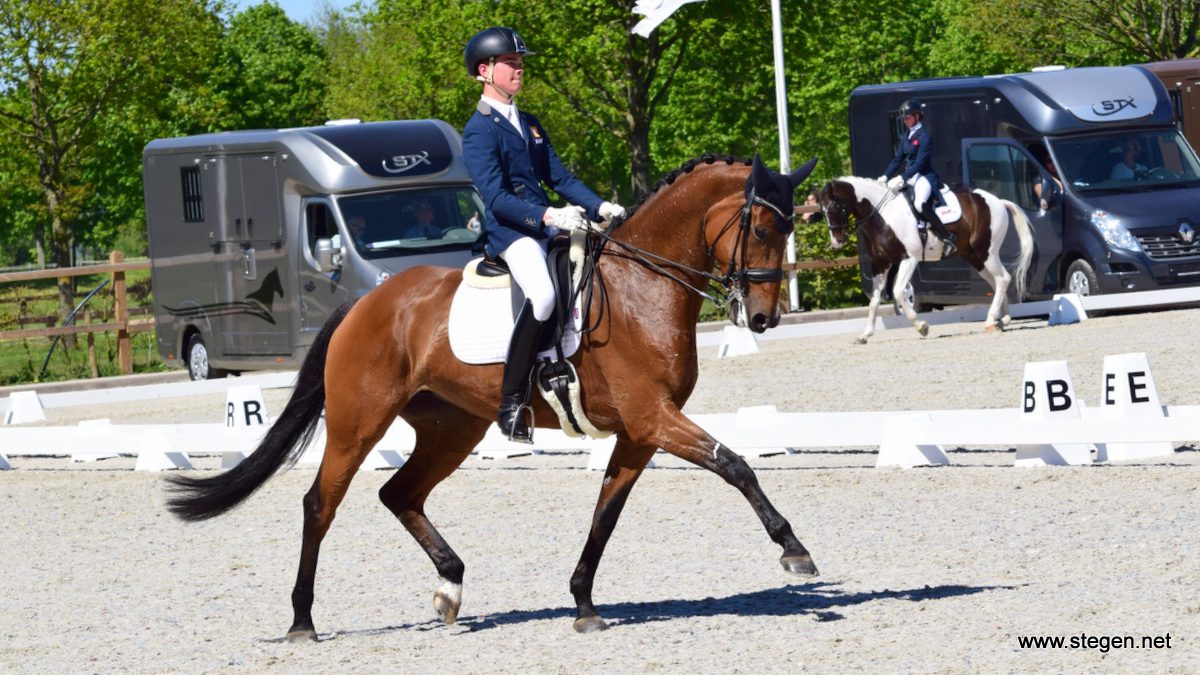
<point>921,189</point>
<point>526,259</point>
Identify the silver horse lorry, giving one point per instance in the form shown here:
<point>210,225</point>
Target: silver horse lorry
<point>257,236</point>
<point>1102,229</point>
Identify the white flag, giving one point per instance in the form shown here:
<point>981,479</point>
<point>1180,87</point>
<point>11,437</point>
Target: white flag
<point>656,12</point>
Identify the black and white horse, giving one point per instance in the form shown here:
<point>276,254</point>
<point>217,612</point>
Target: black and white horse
<point>889,230</point>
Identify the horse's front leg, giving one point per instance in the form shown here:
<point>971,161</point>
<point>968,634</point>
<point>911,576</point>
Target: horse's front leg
<point>877,283</point>
<point>998,278</point>
<point>669,429</point>
<point>904,274</point>
<point>624,467</point>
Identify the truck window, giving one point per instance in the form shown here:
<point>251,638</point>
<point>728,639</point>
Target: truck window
<point>398,222</point>
<point>193,197</point>
<point>1128,162</point>
<point>1005,171</point>
<point>319,224</point>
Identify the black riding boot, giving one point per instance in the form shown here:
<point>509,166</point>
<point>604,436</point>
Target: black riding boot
<point>522,348</point>
<point>940,229</point>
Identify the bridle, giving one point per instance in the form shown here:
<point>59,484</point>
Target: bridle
<point>828,205</point>
<point>737,272</point>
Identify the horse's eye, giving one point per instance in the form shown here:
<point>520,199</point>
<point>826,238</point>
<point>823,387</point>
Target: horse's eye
<point>760,233</point>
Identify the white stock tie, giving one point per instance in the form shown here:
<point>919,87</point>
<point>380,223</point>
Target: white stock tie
<point>515,120</point>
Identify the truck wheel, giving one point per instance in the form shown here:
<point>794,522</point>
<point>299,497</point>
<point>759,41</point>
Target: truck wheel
<point>918,307</point>
<point>1081,279</point>
<point>197,361</point>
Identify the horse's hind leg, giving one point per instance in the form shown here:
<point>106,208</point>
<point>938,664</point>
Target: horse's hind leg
<point>351,431</point>
<point>624,467</point>
<point>445,437</point>
<point>999,278</point>
<point>668,428</point>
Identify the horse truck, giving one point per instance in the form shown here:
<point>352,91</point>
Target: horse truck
<point>250,247</point>
<point>1099,232</point>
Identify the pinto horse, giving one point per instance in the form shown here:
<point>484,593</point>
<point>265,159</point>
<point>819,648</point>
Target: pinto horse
<point>388,355</point>
<point>889,228</point>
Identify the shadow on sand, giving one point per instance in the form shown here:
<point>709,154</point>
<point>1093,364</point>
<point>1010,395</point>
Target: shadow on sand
<point>822,601</point>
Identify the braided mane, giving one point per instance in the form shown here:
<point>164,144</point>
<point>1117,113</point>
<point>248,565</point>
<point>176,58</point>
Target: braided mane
<point>686,167</point>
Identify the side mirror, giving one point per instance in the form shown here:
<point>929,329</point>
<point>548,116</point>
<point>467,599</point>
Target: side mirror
<point>329,258</point>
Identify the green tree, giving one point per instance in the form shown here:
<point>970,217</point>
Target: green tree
<point>63,65</point>
<point>271,71</point>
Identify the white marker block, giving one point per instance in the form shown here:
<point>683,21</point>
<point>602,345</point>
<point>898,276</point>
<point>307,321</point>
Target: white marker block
<point>1048,393</point>
<point>899,447</point>
<point>24,407</point>
<point>758,416</point>
<point>1068,309</point>
<point>1127,392</point>
<point>89,448</point>
<point>156,453</point>
<point>245,407</point>
<point>737,341</point>
<point>382,459</point>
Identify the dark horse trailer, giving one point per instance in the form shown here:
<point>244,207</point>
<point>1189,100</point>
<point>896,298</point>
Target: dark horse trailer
<point>257,236</point>
<point>1102,231</point>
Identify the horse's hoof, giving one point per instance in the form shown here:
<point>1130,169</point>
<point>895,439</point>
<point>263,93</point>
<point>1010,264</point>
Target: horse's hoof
<point>922,328</point>
<point>800,564</point>
<point>993,328</point>
<point>302,635</point>
<point>860,340</point>
<point>446,602</point>
<point>1005,320</point>
<point>589,624</point>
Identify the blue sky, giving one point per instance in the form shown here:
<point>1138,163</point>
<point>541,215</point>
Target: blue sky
<point>297,10</point>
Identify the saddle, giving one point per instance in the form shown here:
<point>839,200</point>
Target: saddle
<point>556,377</point>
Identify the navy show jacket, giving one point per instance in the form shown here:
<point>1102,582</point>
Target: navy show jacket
<point>509,172</point>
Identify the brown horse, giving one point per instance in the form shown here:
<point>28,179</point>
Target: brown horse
<point>388,355</point>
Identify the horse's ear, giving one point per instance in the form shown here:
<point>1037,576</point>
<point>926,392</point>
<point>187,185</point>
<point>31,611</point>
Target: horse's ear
<point>797,177</point>
<point>760,176</point>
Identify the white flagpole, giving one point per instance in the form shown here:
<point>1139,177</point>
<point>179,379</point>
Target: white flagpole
<point>785,159</point>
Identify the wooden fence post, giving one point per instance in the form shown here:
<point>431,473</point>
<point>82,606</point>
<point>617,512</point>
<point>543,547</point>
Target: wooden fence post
<point>121,316</point>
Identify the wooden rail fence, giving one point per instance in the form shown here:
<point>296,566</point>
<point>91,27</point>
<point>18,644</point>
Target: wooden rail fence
<point>120,323</point>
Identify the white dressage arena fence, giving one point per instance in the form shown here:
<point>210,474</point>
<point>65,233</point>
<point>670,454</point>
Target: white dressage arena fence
<point>1051,426</point>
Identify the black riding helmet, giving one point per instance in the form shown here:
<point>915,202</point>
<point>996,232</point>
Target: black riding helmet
<point>488,44</point>
<point>912,107</point>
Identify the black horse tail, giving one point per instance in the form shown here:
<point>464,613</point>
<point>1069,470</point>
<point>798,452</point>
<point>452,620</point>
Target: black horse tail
<point>203,498</point>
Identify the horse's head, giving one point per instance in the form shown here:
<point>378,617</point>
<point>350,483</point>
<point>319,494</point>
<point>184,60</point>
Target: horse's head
<point>838,201</point>
<point>752,254</point>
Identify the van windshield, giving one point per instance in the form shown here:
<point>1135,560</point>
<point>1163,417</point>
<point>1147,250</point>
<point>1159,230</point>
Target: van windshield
<point>1127,162</point>
<point>383,224</point>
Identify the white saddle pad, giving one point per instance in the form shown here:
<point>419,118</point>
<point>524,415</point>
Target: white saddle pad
<point>952,211</point>
<point>481,324</point>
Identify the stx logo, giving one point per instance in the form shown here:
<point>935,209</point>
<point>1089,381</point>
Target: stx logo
<point>1113,106</point>
<point>402,163</point>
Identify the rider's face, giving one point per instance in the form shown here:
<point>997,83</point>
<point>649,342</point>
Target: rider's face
<point>910,120</point>
<point>508,72</point>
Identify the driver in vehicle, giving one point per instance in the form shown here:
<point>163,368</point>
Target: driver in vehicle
<point>1129,168</point>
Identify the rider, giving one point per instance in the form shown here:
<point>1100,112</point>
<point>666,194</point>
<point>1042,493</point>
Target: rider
<point>509,156</point>
<point>914,153</point>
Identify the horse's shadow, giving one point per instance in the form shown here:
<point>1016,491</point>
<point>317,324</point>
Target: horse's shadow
<point>819,600</point>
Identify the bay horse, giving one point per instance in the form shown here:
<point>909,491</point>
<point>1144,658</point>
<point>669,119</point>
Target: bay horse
<point>388,355</point>
<point>889,228</point>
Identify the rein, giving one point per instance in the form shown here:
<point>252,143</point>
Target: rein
<point>736,272</point>
<point>889,196</point>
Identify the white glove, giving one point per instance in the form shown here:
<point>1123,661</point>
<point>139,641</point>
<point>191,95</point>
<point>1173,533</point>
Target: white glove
<point>895,183</point>
<point>882,179</point>
<point>609,210</point>
<point>567,218</point>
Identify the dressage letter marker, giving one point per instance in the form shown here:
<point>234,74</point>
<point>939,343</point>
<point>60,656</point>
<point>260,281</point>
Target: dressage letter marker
<point>1127,392</point>
<point>245,407</point>
<point>23,407</point>
<point>1047,393</point>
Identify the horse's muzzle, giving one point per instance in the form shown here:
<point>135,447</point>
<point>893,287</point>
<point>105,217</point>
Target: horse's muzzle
<point>760,322</point>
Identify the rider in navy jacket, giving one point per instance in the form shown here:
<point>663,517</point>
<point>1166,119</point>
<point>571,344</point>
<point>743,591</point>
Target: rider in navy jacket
<point>509,156</point>
<point>915,155</point>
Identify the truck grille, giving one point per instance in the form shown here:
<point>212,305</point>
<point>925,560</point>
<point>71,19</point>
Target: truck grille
<point>1167,246</point>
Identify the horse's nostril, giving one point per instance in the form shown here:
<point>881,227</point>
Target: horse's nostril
<point>774,321</point>
<point>759,323</point>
